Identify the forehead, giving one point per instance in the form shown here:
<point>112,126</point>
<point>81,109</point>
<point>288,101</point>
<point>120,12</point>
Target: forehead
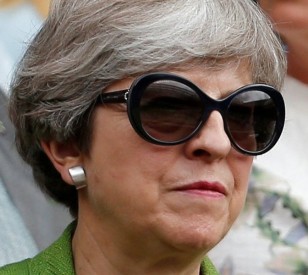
<point>216,83</point>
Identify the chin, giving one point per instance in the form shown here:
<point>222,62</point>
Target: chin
<point>198,239</point>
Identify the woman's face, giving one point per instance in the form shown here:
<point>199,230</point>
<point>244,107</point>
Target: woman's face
<point>289,16</point>
<point>185,196</point>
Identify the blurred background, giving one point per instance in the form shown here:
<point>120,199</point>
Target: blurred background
<point>29,220</point>
<point>19,21</point>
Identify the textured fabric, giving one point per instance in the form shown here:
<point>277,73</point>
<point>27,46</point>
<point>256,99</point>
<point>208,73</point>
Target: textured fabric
<point>58,260</point>
<point>271,235</point>
<point>207,268</point>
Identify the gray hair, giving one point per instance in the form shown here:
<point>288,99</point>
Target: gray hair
<point>85,45</point>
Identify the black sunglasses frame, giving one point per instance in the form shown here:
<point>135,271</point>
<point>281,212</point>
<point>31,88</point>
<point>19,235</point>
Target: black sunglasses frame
<point>132,97</point>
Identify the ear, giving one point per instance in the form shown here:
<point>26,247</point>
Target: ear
<point>63,156</point>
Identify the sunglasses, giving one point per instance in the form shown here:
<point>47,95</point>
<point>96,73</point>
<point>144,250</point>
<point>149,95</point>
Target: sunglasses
<point>166,109</point>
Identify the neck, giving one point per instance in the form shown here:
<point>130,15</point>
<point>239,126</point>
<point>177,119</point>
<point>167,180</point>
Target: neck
<point>98,250</point>
<point>298,60</point>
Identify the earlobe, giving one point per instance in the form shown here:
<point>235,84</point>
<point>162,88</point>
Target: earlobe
<point>63,157</point>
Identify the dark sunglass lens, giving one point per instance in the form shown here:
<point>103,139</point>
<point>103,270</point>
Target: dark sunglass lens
<point>252,119</point>
<point>169,111</point>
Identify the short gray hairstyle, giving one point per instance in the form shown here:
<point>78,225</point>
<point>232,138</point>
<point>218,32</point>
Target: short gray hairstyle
<point>85,45</point>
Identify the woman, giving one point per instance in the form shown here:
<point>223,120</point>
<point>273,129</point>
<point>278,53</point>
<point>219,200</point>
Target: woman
<point>143,117</point>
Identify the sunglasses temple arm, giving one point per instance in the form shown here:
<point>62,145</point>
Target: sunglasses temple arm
<point>114,97</point>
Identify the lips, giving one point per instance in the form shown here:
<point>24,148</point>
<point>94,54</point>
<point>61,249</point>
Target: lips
<point>203,187</point>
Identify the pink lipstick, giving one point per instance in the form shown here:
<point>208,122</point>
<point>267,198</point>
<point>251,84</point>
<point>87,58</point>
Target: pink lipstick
<point>213,189</point>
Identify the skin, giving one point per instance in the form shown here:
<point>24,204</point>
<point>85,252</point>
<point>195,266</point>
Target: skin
<point>132,217</point>
<point>291,22</point>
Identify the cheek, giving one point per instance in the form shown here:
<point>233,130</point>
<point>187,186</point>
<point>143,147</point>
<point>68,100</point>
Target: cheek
<point>241,168</point>
<point>123,169</point>
<point>125,189</point>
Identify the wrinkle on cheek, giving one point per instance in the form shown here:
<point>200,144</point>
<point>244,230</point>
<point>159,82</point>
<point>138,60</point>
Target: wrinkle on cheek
<point>241,175</point>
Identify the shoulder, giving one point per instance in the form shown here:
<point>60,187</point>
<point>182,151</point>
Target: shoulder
<point>20,268</point>
<point>56,259</point>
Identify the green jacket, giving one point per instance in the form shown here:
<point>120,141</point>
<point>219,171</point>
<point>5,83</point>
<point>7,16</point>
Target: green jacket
<point>57,259</point>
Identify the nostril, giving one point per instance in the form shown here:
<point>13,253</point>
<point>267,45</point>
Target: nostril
<point>199,153</point>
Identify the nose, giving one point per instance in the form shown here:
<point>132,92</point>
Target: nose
<point>211,142</point>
